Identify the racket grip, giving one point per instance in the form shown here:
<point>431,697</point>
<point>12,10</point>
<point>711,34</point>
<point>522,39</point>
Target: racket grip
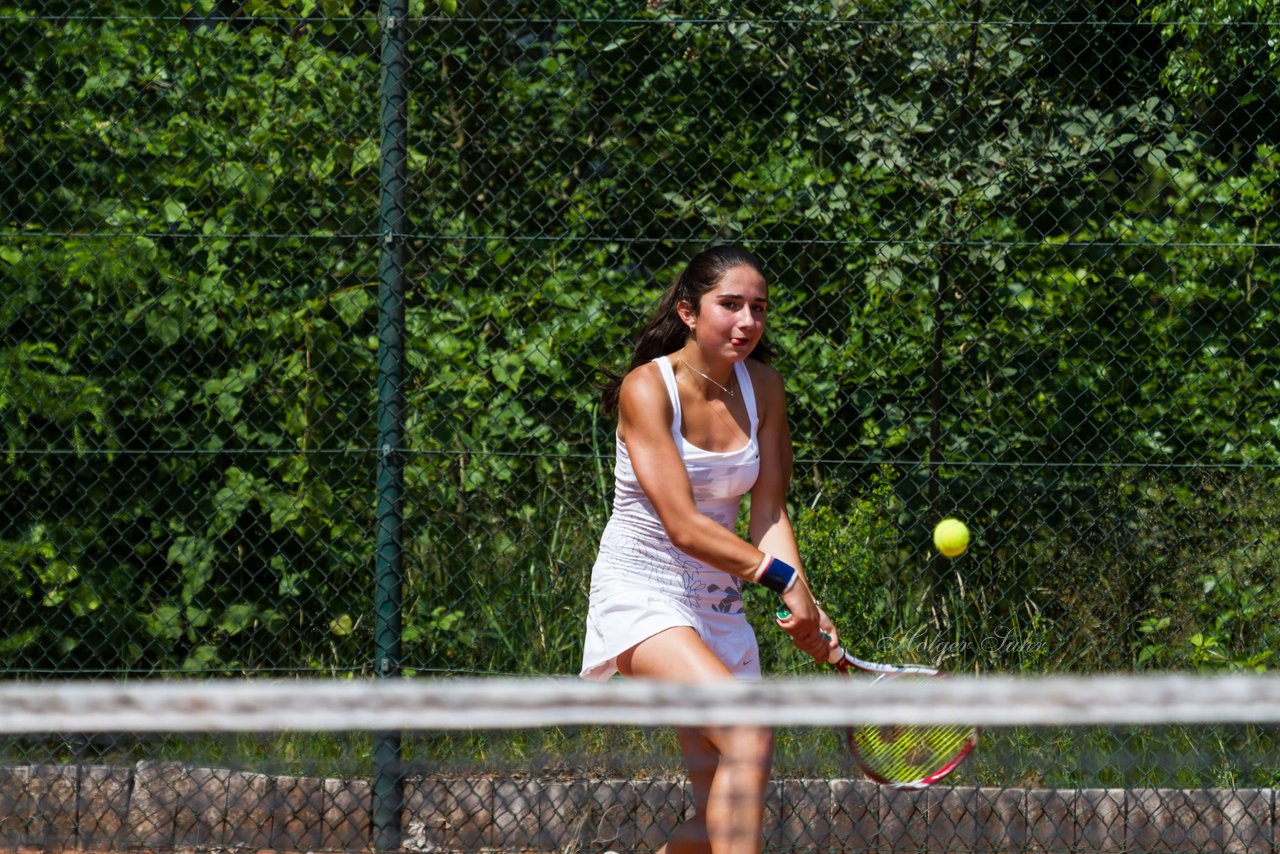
<point>784,612</point>
<point>836,659</point>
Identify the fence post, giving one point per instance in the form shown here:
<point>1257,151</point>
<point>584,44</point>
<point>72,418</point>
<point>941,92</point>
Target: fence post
<point>388,784</point>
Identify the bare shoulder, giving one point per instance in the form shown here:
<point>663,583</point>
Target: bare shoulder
<point>642,383</point>
<point>643,396</point>
<point>767,382</point>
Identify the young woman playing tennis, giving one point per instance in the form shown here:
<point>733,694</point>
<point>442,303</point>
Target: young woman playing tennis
<point>701,423</point>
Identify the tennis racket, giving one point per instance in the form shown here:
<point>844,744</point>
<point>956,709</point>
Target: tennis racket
<point>902,756</point>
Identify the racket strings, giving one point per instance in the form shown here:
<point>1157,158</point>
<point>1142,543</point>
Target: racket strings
<point>905,753</point>
<point>902,754</point>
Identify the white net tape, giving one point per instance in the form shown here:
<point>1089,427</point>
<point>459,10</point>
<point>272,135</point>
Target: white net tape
<point>505,703</point>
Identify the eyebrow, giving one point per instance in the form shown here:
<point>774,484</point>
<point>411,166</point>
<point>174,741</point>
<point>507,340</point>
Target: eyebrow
<point>741,298</point>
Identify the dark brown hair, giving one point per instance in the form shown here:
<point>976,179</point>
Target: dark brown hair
<point>665,332</point>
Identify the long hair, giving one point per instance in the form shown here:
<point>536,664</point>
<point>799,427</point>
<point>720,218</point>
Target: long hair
<point>665,332</point>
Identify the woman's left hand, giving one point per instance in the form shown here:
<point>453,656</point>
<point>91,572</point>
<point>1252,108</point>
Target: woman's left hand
<point>804,622</point>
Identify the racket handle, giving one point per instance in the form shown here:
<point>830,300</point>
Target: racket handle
<point>783,612</point>
<point>837,659</point>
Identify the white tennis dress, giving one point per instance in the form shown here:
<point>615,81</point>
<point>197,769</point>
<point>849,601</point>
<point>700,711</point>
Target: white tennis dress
<point>641,584</point>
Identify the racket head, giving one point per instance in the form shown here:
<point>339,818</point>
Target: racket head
<point>901,757</point>
<point>904,756</point>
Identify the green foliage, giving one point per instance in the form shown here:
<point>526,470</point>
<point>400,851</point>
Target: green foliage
<point>848,537</point>
<point>198,312</point>
<point>1213,41</point>
<point>1012,262</point>
<point>1219,610</point>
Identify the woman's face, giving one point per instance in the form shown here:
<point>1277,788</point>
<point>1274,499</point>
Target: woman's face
<point>730,319</point>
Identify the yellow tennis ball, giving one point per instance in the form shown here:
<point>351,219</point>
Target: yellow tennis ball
<point>951,537</point>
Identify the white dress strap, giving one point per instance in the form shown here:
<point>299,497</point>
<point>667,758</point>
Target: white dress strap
<point>744,383</point>
<point>748,394</point>
<point>673,391</point>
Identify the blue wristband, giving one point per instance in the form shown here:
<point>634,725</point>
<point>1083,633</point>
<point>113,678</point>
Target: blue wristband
<point>779,576</point>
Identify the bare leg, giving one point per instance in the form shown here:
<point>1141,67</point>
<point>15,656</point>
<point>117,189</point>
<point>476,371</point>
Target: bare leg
<point>728,766</point>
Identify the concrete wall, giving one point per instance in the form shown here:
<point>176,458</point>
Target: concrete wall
<point>166,806</point>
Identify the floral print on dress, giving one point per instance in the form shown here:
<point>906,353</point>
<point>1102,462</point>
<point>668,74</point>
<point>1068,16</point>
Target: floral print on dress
<point>731,600</point>
<point>661,566</point>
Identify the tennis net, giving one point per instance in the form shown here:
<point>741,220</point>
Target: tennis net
<point>1117,763</point>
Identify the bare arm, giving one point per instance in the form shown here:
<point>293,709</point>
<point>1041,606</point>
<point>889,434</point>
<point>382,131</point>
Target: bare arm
<point>644,424</point>
<point>770,526</point>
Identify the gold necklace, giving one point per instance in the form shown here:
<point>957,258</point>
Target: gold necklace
<point>707,378</point>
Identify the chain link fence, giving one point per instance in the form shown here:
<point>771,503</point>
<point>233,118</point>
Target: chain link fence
<point>495,765</point>
<point>150,805</point>
<point>304,308</point>
<point>1023,269</point>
